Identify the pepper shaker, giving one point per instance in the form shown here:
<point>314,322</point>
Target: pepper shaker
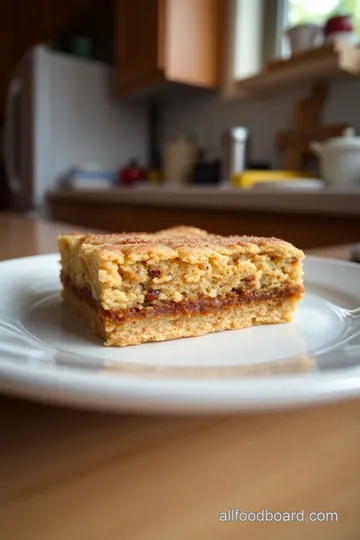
<point>355,254</point>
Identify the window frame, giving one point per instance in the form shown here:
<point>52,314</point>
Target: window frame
<point>267,28</point>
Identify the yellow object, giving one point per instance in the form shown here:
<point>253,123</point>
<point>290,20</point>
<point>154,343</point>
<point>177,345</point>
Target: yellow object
<point>248,179</point>
<point>154,176</point>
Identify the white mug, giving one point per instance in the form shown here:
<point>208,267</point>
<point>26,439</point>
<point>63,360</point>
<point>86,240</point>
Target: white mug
<point>304,36</point>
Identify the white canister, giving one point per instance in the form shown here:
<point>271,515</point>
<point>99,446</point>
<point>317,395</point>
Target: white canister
<point>178,160</point>
<point>340,159</point>
<point>304,36</point>
<point>345,37</point>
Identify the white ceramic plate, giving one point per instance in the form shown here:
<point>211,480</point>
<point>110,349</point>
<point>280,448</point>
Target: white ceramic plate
<point>47,353</point>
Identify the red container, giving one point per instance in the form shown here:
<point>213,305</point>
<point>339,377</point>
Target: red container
<point>339,23</point>
<point>131,174</point>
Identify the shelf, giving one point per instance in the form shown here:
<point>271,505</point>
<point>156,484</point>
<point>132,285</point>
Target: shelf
<point>330,60</point>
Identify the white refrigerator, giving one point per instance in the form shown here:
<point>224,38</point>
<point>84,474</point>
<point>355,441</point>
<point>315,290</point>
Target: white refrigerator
<point>61,113</point>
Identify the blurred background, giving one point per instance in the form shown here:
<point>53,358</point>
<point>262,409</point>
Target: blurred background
<point>235,116</point>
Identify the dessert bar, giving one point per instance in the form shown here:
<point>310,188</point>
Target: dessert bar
<point>133,288</point>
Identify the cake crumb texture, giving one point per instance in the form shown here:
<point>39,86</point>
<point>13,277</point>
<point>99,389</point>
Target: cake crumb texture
<point>137,272</point>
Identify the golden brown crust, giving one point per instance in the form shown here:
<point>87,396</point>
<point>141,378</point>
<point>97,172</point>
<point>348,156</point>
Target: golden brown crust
<point>189,238</point>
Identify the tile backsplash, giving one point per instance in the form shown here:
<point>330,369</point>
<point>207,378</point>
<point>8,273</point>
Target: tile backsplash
<point>205,117</point>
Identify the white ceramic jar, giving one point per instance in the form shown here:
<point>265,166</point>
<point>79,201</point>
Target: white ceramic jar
<point>340,159</point>
<point>179,157</point>
<point>304,36</point>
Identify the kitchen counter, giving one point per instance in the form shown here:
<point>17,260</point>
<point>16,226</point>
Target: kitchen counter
<point>307,218</point>
<point>70,474</point>
<point>326,201</point>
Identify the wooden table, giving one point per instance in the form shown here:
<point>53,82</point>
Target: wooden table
<point>74,475</point>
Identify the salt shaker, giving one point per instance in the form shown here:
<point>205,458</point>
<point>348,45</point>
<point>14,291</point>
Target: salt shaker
<point>234,152</point>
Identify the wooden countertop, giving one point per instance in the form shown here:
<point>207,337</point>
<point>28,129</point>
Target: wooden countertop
<point>74,475</point>
<point>336,202</point>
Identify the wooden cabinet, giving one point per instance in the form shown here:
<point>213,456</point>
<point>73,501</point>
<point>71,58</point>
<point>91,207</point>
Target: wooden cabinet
<point>25,23</point>
<point>167,41</point>
<point>138,46</point>
<point>156,41</point>
<point>41,20</point>
<point>8,48</point>
<point>37,23</point>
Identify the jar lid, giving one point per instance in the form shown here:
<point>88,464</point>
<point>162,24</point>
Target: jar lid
<point>348,137</point>
<point>237,134</point>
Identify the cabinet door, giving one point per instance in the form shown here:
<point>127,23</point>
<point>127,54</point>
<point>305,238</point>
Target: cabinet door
<point>78,8</point>
<point>8,50</point>
<point>139,47</point>
<point>41,20</point>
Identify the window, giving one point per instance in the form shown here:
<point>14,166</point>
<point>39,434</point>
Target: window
<point>300,11</point>
<point>317,11</point>
<point>255,31</point>
<point>256,38</point>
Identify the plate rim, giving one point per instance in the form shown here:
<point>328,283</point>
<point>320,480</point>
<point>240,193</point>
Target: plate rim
<point>119,392</point>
